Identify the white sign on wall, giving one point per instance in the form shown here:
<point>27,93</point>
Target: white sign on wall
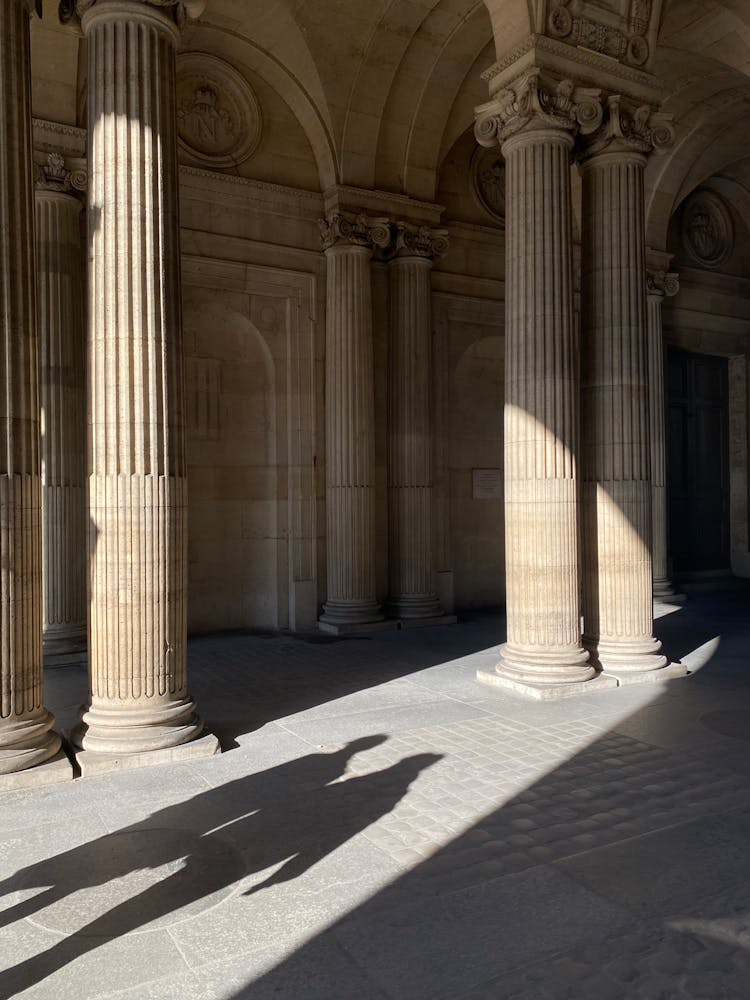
<point>487,484</point>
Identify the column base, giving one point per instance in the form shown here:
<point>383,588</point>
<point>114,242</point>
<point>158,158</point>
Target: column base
<point>672,671</point>
<point>119,728</point>
<point>545,665</point>
<point>91,762</point>
<point>626,657</point>
<point>443,619</point>
<point>420,606</point>
<point>343,614</point>
<point>62,640</point>
<point>545,692</point>
<point>664,591</point>
<point>356,628</point>
<point>27,741</point>
<point>52,772</point>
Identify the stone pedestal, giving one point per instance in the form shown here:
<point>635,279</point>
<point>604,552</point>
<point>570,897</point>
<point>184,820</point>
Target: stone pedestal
<point>410,421</point>
<point>62,377</point>
<point>659,283</point>
<point>541,391</point>
<point>617,596</point>
<point>137,476</point>
<point>351,603</point>
<point>26,736</point>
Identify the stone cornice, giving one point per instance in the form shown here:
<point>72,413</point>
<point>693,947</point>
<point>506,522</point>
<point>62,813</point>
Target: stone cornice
<point>342,198</point>
<point>53,137</point>
<point>568,61</point>
<point>538,101</point>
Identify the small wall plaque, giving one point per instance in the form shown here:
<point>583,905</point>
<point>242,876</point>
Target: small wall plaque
<point>487,484</point>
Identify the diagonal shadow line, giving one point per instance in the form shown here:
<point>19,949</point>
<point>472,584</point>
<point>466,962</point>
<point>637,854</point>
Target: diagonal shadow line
<point>292,815</point>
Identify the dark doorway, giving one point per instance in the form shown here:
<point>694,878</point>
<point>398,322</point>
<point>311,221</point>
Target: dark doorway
<point>698,461</point>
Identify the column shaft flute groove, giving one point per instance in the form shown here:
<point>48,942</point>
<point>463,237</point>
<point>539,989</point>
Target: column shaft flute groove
<point>137,472</point>
<point>350,440</point>
<point>60,310</point>
<point>26,737</point>
<point>410,462</point>
<point>541,416</point>
<point>618,613</point>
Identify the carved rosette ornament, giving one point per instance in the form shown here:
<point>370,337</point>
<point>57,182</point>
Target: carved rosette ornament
<point>57,174</point>
<point>345,229</point>
<point>533,103</point>
<point>629,128</point>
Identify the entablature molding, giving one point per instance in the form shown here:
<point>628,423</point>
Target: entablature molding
<point>342,198</point>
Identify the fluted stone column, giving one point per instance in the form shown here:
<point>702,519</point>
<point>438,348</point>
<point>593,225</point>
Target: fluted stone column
<point>617,596</point>
<point>351,602</point>
<point>659,283</point>
<point>410,421</point>
<point>62,378</point>
<point>26,736</point>
<point>140,710</point>
<point>537,131</point>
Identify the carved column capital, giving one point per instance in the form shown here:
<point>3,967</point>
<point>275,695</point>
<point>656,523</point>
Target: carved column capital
<point>536,101</point>
<point>629,128</point>
<point>419,241</point>
<point>56,173</point>
<point>346,229</point>
<point>177,10</point>
<point>662,283</point>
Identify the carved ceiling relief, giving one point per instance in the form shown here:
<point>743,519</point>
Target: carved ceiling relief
<point>707,230</point>
<point>620,33</point>
<point>218,117</point>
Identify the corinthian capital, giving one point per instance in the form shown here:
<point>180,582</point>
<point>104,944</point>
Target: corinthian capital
<point>179,10</point>
<point>344,229</point>
<point>420,241</point>
<point>662,283</point>
<point>534,102</point>
<point>629,128</point>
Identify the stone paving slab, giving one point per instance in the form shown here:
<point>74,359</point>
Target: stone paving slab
<point>382,827</point>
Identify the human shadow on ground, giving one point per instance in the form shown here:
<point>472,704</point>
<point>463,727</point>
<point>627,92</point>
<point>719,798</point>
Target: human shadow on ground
<point>292,815</point>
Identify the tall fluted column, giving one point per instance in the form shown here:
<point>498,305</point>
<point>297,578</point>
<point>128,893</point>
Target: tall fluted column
<point>410,421</point>
<point>350,423</point>
<point>659,283</point>
<point>26,737</point>
<point>137,473</point>
<point>62,377</point>
<point>618,611</point>
<point>541,385</point>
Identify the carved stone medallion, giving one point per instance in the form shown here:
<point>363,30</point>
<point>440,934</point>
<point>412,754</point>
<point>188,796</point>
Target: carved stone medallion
<point>218,116</point>
<point>488,179</point>
<point>707,230</point>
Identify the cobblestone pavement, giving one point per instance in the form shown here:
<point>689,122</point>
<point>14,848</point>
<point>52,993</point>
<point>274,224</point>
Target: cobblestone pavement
<point>382,826</point>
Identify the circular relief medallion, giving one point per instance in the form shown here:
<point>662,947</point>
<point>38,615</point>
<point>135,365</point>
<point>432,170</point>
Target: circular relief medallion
<point>707,229</point>
<point>218,116</point>
<point>488,175</point>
